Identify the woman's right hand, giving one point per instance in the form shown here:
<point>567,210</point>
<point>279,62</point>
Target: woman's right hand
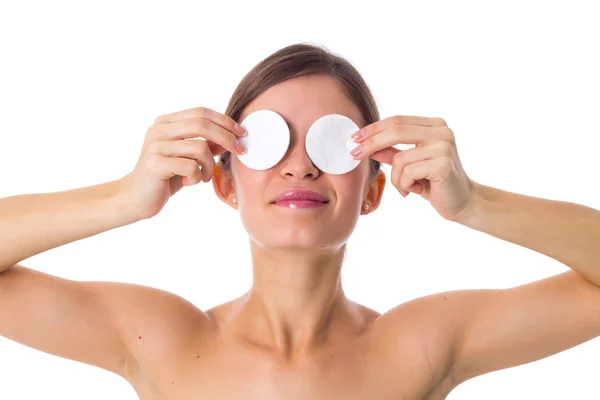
<point>168,161</point>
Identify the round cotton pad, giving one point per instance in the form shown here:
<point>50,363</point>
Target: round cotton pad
<point>267,140</point>
<point>328,144</point>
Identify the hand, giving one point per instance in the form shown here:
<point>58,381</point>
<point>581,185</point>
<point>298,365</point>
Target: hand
<point>432,169</point>
<point>168,161</point>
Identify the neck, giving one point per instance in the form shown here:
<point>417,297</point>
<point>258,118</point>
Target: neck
<point>296,302</point>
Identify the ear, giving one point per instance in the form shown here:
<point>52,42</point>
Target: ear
<point>375,192</point>
<point>224,186</point>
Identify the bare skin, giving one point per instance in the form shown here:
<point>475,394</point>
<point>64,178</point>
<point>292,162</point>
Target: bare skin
<point>359,360</point>
<point>294,335</point>
<point>172,350</point>
<point>185,353</point>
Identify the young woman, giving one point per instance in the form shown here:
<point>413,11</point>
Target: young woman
<point>295,335</point>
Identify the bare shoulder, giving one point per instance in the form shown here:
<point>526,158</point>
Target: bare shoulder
<point>419,336</point>
<point>148,311</point>
<point>120,327</point>
<point>157,323</point>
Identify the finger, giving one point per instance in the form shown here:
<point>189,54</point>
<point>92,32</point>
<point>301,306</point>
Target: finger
<point>220,119</point>
<point>195,128</point>
<point>433,170</point>
<point>215,148</point>
<point>194,149</point>
<point>168,167</point>
<point>389,154</point>
<point>437,149</point>
<point>406,134</point>
<point>410,156</point>
<point>196,177</point>
<point>208,169</point>
<point>385,156</point>
<point>398,120</point>
<point>198,150</point>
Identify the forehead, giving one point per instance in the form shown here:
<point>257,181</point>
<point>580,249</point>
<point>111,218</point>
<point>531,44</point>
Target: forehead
<point>303,100</point>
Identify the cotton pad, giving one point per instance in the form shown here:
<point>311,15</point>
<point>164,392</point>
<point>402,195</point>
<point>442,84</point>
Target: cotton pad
<point>328,144</point>
<point>267,140</point>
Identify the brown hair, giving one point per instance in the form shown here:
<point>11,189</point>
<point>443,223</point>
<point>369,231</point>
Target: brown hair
<point>298,60</point>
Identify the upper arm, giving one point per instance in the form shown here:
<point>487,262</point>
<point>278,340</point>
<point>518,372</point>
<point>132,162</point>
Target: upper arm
<point>97,323</point>
<point>497,329</point>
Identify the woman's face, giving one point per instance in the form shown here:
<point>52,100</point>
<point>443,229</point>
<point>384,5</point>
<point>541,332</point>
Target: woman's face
<point>301,101</point>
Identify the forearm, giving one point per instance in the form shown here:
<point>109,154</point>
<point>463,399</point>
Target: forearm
<point>566,232</point>
<point>33,223</point>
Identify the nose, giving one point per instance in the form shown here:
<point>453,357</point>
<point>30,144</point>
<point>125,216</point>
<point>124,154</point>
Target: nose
<point>297,163</point>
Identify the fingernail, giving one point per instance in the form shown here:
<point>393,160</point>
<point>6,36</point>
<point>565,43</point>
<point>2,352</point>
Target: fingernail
<point>240,129</point>
<point>357,151</point>
<point>358,135</point>
<point>240,147</point>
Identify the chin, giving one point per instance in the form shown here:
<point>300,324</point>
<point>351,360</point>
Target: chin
<point>273,231</point>
<point>298,240</point>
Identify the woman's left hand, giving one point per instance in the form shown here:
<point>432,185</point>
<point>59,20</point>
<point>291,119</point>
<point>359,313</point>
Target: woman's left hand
<point>432,169</point>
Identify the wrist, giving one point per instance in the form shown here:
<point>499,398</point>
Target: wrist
<point>468,215</point>
<point>128,210</point>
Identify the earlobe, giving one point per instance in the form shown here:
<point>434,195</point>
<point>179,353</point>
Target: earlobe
<point>375,191</point>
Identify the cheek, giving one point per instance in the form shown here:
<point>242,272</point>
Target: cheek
<point>251,188</point>
<point>354,181</point>
<point>349,189</point>
<point>245,178</point>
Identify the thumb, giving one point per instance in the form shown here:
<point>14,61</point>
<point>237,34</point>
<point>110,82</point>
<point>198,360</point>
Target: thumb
<point>386,155</point>
<point>215,148</point>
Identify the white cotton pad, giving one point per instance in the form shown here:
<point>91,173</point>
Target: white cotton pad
<point>328,144</point>
<point>267,140</point>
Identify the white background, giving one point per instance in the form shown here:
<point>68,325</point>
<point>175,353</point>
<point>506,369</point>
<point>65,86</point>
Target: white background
<point>517,83</point>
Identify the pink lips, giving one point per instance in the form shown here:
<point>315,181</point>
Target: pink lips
<point>300,199</point>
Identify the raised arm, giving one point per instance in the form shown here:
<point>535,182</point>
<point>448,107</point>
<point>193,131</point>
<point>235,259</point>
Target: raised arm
<point>100,323</point>
<point>497,329</point>
<point>75,320</point>
<point>33,223</point>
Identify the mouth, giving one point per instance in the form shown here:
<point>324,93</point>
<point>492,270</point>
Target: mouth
<point>300,203</point>
<point>298,198</point>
